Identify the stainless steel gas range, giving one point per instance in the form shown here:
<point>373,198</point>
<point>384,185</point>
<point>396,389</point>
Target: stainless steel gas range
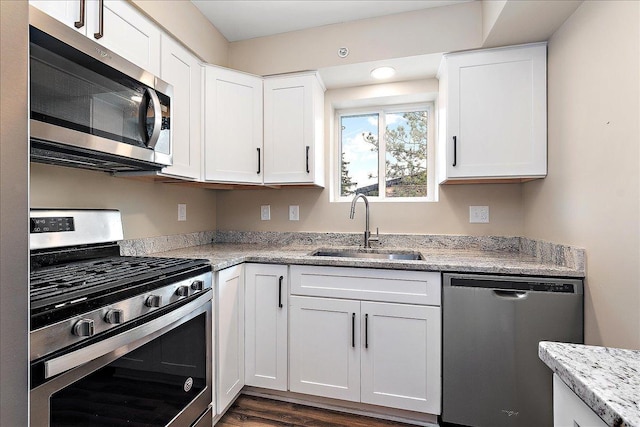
<point>115,340</point>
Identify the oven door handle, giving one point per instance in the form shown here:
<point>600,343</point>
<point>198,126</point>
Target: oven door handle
<point>86,354</point>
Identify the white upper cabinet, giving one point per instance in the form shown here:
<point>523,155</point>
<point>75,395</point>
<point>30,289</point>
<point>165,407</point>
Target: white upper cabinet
<point>294,129</point>
<point>69,12</point>
<point>116,25</point>
<point>183,71</point>
<point>233,126</point>
<point>492,111</point>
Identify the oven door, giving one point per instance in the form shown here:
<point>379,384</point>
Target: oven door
<point>154,374</point>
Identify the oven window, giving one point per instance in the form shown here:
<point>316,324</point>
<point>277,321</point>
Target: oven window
<point>146,387</point>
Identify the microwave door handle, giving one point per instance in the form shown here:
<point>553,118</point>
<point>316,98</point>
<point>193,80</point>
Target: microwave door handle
<point>157,118</point>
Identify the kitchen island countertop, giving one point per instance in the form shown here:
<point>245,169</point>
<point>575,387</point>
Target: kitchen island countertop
<point>606,379</point>
<point>223,255</point>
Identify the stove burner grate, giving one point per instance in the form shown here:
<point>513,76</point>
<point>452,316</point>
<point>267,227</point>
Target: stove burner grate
<point>62,283</point>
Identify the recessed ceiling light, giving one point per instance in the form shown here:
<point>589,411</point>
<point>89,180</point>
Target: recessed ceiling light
<point>383,72</point>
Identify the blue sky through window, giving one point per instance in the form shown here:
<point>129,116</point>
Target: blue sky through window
<point>361,154</point>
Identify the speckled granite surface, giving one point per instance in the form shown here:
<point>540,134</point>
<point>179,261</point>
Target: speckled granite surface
<point>606,379</point>
<point>503,255</point>
<point>140,247</point>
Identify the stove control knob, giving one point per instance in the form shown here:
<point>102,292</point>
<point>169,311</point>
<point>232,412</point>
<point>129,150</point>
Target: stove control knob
<point>182,291</point>
<point>83,328</point>
<point>197,285</point>
<point>115,317</point>
<point>153,301</point>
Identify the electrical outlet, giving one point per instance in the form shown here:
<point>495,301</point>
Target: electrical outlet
<point>294,213</point>
<point>265,212</point>
<point>478,214</point>
<point>182,212</point>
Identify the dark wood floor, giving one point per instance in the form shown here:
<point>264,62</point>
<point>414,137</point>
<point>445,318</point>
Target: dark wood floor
<point>250,411</point>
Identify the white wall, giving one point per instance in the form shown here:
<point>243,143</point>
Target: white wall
<point>591,195</point>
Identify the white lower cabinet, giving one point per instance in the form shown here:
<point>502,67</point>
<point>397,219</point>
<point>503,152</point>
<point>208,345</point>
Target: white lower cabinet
<point>282,328</point>
<point>229,340</point>
<point>400,362</point>
<point>378,353</point>
<point>325,347</point>
<point>569,410</point>
<point>266,326</point>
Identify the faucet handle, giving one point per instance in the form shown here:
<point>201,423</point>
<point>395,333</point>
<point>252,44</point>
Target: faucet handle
<point>375,239</point>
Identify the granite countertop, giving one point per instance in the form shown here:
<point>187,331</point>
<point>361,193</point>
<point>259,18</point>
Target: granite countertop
<point>606,379</point>
<point>223,255</point>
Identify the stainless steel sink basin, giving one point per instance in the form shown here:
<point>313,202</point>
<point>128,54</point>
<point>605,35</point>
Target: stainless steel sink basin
<point>411,256</point>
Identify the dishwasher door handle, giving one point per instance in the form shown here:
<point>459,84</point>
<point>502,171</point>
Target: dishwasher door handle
<point>510,294</point>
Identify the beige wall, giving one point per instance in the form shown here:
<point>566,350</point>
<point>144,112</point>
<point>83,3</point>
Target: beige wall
<point>185,22</point>
<point>434,30</point>
<point>240,210</point>
<point>591,195</point>
<point>14,209</point>
<point>148,209</point>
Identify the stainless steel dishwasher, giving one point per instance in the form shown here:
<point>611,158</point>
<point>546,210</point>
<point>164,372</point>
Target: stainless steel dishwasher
<point>491,373</point>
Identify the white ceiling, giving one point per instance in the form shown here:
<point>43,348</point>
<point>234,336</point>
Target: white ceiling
<point>246,19</point>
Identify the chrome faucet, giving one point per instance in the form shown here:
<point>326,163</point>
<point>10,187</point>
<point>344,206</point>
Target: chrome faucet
<point>367,233</point>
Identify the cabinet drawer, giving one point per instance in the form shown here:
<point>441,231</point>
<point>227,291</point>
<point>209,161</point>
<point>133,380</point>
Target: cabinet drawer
<point>414,287</point>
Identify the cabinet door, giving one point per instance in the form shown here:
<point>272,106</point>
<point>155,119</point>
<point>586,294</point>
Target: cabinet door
<point>569,410</point>
<point>230,335</point>
<point>65,11</point>
<point>496,113</point>
<point>182,70</point>
<point>293,129</point>
<point>325,347</point>
<point>233,126</point>
<point>126,32</point>
<point>401,356</point>
<point>266,326</point>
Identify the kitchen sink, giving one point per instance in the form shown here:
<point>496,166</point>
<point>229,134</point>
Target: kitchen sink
<point>351,253</point>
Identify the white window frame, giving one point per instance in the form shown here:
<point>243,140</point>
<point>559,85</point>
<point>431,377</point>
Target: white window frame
<point>382,110</point>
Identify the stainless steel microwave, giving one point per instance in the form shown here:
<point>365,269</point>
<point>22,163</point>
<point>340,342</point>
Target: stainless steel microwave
<point>91,108</point>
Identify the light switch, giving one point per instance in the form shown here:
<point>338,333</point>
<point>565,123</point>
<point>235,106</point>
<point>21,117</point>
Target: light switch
<point>265,212</point>
<point>478,214</point>
<point>182,212</point>
<point>294,213</point>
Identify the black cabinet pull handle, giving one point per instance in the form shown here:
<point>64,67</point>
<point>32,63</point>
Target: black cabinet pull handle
<point>100,32</point>
<point>308,159</point>
<point>80,22</point>
<point>353,330</point>
<point>258,160</point>
<point>455,151</point>
<point>366,331</point>
<point>280,291</point>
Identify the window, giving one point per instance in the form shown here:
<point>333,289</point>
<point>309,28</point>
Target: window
<point>385,153</point>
